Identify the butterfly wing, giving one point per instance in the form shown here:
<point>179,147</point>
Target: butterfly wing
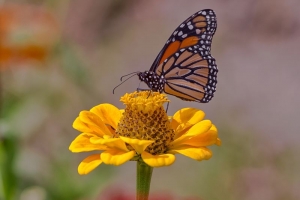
<point>184,67</point>
<point>197,29</point>
<point>190,74</point>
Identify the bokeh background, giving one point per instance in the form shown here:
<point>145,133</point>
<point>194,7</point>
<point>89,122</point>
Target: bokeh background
<point>60,57</point>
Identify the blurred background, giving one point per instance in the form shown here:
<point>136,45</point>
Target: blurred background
<point>60,57</point>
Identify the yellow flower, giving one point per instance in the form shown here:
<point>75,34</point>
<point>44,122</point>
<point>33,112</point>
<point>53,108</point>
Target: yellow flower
<point>143,131</point>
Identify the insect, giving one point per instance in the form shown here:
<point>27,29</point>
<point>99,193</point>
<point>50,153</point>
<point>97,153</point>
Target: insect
<point>184,67</point>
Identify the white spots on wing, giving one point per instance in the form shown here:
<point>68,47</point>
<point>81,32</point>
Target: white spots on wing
<point>203,13</point>
<point>182,25</point>
<point>184,36</point>
<point>177,54</point>
<point>175,32</point>
<point>198,31</point>
<point>191,27</point>
<point>180,33</point>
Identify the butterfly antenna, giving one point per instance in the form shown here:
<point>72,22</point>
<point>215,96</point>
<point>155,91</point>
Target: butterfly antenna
<point>128,75</point>
<point>125,80</point>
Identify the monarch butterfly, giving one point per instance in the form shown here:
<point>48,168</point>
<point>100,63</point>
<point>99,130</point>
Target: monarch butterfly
<point>184,67</point>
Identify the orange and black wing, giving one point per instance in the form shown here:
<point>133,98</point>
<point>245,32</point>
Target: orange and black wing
<point>190,74</point>
<point>198,29</point>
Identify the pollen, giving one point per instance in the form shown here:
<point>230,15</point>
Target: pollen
<point>145,118</point>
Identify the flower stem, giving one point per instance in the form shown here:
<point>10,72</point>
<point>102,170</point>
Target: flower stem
<point>144,173</point>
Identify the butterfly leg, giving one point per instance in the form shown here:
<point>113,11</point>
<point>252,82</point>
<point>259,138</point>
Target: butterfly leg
<point>167,106</point>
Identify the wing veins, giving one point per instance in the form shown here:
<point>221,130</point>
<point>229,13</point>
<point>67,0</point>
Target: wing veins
<point>186,79</point>
<point>199,100</point>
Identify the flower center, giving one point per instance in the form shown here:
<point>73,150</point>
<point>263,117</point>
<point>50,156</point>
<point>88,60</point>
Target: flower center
<point>145,119</point>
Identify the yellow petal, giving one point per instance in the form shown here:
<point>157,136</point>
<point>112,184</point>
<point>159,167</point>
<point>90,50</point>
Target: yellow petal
<point>116,157</point>
<point>219,142</point>
<point>138,145</point>
<point>204,139</point>
<point>199,128</point>
<point>181,130</point>
<point>80,126</point>
<point>187,115</point>
<point>111,143</point>
<point>89,164</point>
<point>198,154</point>
<point>82,143</point>
<point>108,113</point>
<point>94,122</point>
<point>158,160</point>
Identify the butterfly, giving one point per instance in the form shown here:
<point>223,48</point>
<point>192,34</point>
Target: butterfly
<point>184,67</point>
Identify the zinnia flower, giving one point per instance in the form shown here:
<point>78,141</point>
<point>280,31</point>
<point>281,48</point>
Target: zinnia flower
<point>142,132</point>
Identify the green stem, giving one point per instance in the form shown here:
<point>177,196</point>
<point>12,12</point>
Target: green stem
<point>144,173</point>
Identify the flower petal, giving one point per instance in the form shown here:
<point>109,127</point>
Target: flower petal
<point>116,157</point>
<point>108,113</point>
<point>82,143</point>
<point>205,139</point>
<point>94,122</point>
<point>199,128</point>
<point>219,142</point>
<point>138,145</point>
<point>158,160</point>
<point>112,143</point>
<point>187,115</point>
<point>198,154</point>
<point>89,164</point>
<point>80,126</point>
